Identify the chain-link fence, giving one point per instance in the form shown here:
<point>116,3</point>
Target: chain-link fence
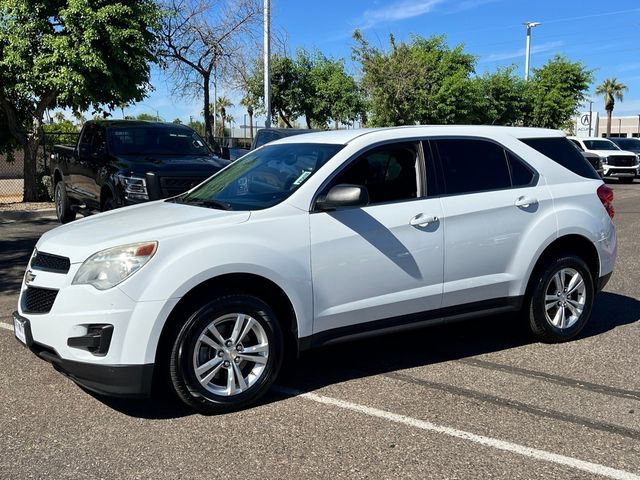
<point>12,168</point>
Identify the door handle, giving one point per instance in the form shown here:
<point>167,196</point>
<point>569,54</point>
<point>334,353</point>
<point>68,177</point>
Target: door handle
<point>526,202</point>
<point>422,220</point>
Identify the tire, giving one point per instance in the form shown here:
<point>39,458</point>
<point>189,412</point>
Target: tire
<point>108,204</point>
<point>555,285</point>
<point>62,203</point>
<point>218,387</point>
<point>626,179</point>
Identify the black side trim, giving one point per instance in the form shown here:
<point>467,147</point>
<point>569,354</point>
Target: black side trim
<point>131,381</point>
<point>412,321</point>
<point>603,280</point>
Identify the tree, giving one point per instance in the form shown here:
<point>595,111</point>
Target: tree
<point>223,103</point>
<point>611,89</point>
<point>422,81</point>
<point>198,39</point>
<point>497,98</point>
<point>555,91</point>
<point>177,121</point>
<point>148,117</point>
<point>76,54</point>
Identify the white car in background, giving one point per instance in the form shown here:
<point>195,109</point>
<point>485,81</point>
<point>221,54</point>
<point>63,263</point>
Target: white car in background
<point>615,162</point>
<point>317,238</point>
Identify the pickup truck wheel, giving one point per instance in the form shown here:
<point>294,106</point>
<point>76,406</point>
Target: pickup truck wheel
<point>108,204</point>
<point>227,354</point>
<point>561,300</point>
<point>63,206</point>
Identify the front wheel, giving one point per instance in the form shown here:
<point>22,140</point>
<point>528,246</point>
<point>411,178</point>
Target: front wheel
<point>63,205</point>
<point>227,354</point>
<point>561,299</point>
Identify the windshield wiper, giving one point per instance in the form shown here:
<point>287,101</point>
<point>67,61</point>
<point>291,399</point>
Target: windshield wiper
<point>206,203</point>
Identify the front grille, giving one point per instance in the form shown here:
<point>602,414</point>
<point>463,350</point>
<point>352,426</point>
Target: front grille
<point>38,300</point>
<point>622,160</point>
<point>50,263</point>
<point>172,186</point>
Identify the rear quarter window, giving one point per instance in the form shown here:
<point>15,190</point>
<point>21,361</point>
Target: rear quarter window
<point>562,151</point>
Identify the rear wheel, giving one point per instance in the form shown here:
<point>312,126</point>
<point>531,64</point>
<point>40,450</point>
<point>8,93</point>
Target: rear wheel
<point>108,204</point>
<point>561,300</point>
<point>227,354</point>
<point>63,205</point>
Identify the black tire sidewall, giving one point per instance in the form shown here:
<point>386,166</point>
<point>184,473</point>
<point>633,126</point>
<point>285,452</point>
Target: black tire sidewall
<point>63,211</point>
<point>183,377</point>
<point>544,330</point>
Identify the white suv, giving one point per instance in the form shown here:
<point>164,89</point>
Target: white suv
<point>615,161</point>
<point>316,238</point>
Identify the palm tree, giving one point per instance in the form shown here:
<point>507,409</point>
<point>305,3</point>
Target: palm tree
<point>250,103</point>
<point>223,103</point>
<point>611,89</point>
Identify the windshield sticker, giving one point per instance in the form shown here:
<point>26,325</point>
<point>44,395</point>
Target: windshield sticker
<point>303,176</point>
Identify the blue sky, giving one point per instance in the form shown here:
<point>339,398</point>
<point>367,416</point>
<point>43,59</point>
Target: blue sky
<point>605,37</point>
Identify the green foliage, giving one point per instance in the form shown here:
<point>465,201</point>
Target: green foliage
<point>148,117</point>
<point>423,81</point>
<point>497,98</point>
<point>555,91</point>
<point>62,131</point>
<point>312,86</point>
<point>78,53</point>
<point>611,89</point>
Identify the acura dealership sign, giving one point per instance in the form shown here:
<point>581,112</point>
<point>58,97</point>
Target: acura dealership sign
<point>583,121</point>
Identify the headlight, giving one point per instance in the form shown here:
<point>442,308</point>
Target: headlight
<point>135,188</point>
<point>605,160</point>
<point>108,268</point>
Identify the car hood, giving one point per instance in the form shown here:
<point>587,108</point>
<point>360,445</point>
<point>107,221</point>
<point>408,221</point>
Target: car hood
<point>166,164</point>
<point>141,223</point>
<point>608,153</point>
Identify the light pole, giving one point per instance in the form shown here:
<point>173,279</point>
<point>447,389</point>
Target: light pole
<point>529,26</point>
<point>590,115</point>
<point>639,125</point>
<point>267,55</point>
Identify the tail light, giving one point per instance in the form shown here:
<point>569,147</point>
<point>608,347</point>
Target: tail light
<point>605,194</point>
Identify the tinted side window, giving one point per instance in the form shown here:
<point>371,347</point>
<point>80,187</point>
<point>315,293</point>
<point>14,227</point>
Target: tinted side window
<point>390,173</point>
<point>87,134</point>
<point>521,175</point>
<point>99,141</point>
<point>472,165</point>
<point>560,150</point>
<point>577,144</point>
<point>265,137</point>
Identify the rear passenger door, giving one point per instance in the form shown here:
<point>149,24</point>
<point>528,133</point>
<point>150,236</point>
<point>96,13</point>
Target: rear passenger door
<point>491,200</point>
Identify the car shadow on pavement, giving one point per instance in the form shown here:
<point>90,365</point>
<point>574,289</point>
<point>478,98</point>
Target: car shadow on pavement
<point>392,352</point>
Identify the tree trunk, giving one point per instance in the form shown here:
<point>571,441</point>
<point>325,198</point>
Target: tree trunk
<point>250,113</point>
<point>285,119</point>
<point>207,112</point>
<point>609,113</point>
<point>30,150</point>
<point>307,119</point>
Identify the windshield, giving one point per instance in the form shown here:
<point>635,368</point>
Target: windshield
<point>262,178</point>
<point>600,145</point>
<point>156,141</point>
<point>632,144</point>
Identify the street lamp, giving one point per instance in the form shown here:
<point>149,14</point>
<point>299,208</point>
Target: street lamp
<point>590,115</point>
<point>529,26</point>
<point>639,125</point>
<point>267,62</point>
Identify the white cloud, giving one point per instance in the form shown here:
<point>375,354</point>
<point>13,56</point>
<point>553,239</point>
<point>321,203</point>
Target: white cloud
<point>399,10</point>
<point>498,56</point>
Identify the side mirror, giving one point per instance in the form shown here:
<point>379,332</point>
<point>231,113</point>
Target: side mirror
<point>344,195</point>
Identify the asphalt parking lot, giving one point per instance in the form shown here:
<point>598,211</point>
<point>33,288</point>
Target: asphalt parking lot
<point>470,400</point>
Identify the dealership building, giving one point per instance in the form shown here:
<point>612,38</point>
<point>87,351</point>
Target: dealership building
<point>625,127</point>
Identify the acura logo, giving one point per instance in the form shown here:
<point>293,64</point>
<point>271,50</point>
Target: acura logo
<point>585,119</point>
<point>29,277</point>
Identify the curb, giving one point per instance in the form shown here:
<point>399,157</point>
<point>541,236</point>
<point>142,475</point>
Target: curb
<point>27,214</point>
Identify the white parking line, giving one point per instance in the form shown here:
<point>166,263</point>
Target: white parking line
<point>6,325</point>
<point>452,432</point>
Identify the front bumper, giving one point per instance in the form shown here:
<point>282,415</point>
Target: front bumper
<point>613,171</point>
<point>112,380</point>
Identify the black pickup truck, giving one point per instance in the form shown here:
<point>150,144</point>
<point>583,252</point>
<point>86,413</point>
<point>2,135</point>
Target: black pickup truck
<point>124,162</point>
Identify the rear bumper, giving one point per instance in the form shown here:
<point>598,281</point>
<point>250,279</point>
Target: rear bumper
<point>130,381</point>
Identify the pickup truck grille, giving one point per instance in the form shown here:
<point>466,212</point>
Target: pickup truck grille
<point>172,186</point>
<point>622,160</point>
<point>38,300</point>
<point>50,263</point>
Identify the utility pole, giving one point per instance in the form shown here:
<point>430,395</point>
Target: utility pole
<point>590,115</point>
<point>639,125</point>
<point>267,63</point>
<point>527,58</point>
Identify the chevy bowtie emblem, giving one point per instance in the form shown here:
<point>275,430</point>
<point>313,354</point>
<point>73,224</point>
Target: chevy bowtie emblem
<point>29,277</point>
